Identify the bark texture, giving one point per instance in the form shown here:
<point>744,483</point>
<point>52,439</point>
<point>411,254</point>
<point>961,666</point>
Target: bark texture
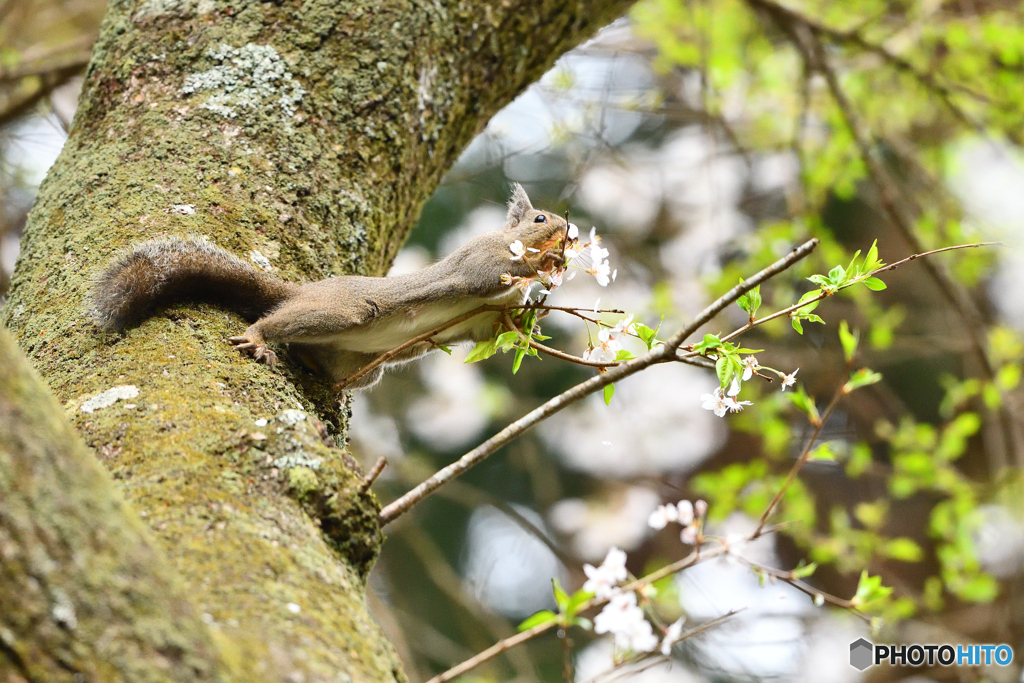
<point>83,588</point>
<point>305,134</point>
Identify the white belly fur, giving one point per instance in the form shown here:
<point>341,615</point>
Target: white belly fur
<point>393,331</point>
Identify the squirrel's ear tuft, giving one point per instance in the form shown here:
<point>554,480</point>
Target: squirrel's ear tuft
<point>518,204</point>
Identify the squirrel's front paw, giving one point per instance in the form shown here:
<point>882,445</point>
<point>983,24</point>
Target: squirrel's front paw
<point>258,350</point>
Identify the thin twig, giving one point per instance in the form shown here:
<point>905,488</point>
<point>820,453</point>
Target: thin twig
<point>802,460</point>
<point>385,357</point>
<point>891,266</point>
<point>659,354</point>
<point>653,657</point>
<point>812,592</point>
<point>507,319</point>
<point>58,62</point>
<point>372,475</point>
<point>531,633</point>
<point>739,290</point>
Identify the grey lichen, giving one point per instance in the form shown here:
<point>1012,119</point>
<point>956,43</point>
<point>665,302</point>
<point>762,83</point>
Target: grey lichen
<point>155,8</point>
<point>109,397</point>
<point>246,77</point>
<point>298,459</point>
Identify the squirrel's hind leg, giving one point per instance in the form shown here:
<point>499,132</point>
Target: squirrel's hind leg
<point>252,343</point>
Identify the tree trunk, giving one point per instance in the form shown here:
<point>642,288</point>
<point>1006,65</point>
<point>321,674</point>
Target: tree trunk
<point>306,135</point>
<point>82,587</point>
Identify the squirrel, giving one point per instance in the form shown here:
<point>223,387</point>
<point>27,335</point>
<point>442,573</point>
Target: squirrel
<point>338,325</point>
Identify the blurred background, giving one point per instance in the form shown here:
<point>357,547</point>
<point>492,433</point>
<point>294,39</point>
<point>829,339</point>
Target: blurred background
<point>704,139</point>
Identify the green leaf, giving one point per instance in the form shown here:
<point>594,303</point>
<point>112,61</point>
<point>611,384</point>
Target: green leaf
<point>520,355</point>
<point>482,350</point>
<point>871,262</point>
<point>814,293</point>
<point>837,275</point>
<point>444,348</point>
<point>751,301</point>
<point>646,334</point>
<point>507,340</point>
<point>812,318</point>
<point>871,594</point>
<point>874,284</point>
<point>541,617</point>
<point>802,571</point>
<point>903,549</point>
<point>623,354</point>
<point>710,343</point>
<point>862,378</point>
<point>561,597</point>
<point>725,369</point>
<point>849,341</point>
<point>852,270</point>
<point>823,452</point>
<point>860,460</point>
<point>979,588</point>
<point>797,326</point>
<point>577,599</point>
<point>609,391</point>
<point>805,403</point>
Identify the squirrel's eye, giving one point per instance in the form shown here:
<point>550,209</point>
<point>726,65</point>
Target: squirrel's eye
<point>541,219</point>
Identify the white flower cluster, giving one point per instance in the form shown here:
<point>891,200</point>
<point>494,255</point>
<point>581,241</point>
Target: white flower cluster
<point>623,617</point>
<point>685,513</point>
<point>599,266</point>
<point>608,344</point>
<point>722,402</point>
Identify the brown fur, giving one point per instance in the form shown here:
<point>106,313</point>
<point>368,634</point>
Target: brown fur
<point>339,324</point>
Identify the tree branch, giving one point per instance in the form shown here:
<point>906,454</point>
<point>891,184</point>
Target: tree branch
<point>659,354</point>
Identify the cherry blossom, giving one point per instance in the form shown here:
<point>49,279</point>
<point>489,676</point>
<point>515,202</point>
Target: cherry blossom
<point>750,366</point>
<point>733,543</point>
<point>624,326</point>
<point>573,232</point>
<point>606,350</point>
<point>789,380</point>
<point>517,250</point>
<point>672,634</point>
<point>602,581</point>
<point>717,402</point>
<point>684,512</point>
<point>623,618</point>
<point>664,514</point>
<point>736,406</point>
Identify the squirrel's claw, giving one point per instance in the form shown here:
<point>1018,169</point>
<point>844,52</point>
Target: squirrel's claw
<point>259,352</point>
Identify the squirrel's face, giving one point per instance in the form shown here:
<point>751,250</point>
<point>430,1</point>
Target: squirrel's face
<point>542,233</point>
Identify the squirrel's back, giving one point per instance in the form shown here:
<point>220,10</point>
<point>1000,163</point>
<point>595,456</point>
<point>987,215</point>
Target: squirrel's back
<point>168,269</point>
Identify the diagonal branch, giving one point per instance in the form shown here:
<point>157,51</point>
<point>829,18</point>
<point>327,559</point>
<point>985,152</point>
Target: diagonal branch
<point>660,354</point>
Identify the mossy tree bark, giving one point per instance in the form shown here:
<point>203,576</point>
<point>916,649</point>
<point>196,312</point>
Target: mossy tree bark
<point>82,587</point>
<point>307,135</point>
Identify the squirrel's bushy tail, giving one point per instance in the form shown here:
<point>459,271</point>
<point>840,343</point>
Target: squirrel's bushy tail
<point>169,269</point>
